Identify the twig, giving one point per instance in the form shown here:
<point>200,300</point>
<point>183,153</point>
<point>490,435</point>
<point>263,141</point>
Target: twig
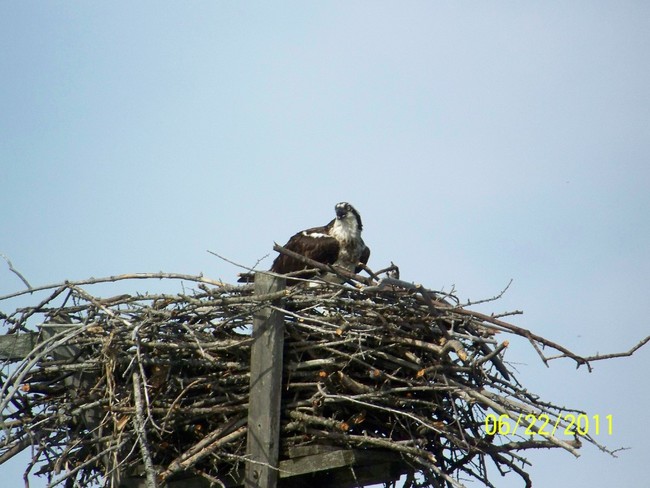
<point>600,357</point>
<point>139,427</point>
<point>16,272</point>
<point>201,450</point>
<point>108,279</point>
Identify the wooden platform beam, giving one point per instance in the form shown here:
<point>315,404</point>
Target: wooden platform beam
<point>263,441</point>
<point>15,347</point>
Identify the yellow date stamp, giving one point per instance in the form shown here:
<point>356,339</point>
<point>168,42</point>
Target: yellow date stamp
<point>568,424</point>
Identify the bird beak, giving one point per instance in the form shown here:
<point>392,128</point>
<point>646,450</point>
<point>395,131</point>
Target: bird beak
<point>340,213</point>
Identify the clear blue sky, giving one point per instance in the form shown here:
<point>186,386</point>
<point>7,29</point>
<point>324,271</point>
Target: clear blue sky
<point>481,141</point>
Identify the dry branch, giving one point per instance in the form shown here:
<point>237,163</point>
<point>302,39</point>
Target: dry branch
<point>159,384</point>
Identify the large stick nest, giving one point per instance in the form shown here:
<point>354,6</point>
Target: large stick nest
<point>370,364</point>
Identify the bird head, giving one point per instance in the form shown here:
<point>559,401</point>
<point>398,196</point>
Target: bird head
<point>347,213</point>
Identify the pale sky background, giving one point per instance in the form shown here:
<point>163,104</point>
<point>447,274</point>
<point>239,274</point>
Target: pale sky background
<point>481,141</point>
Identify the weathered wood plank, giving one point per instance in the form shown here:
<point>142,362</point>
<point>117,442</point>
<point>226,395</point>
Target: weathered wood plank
<point>14,347</point>
<point>263,440</point>
<point>347,468</point>
<point>310,450</point>
<point>343,468</point>
<point>317,462</point>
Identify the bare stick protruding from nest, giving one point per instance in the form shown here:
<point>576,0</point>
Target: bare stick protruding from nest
<point>16,272</point>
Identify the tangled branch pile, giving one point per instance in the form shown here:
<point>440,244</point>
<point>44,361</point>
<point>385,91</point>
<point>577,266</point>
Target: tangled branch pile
<point>382,364</point>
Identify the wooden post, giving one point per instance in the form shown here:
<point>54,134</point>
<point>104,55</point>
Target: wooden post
<point>263,443</point>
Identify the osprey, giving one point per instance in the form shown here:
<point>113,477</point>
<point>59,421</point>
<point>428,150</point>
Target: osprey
<point>338,243</point>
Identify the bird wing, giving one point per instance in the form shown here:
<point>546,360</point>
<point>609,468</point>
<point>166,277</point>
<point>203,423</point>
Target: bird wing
<point>314,244</point>
<point>365,255</point>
